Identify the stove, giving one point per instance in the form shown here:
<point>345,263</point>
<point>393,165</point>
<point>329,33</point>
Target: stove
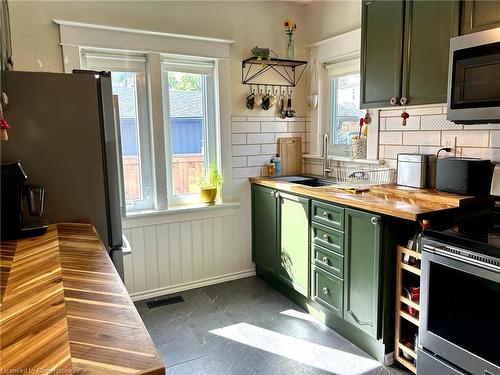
<point>460,298</point>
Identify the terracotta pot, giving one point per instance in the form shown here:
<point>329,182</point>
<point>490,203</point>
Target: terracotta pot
<point>208,195</point>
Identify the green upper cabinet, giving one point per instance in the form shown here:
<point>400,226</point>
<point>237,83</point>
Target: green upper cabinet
<point>381,52</point>
<point>405,50</point>
<point>429,25</point>
<point>361,270</point>
<point>479,15</point>
<point>264,227</point>
<point>293,251</point>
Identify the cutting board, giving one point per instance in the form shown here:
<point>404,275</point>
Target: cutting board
<point>290,150</point>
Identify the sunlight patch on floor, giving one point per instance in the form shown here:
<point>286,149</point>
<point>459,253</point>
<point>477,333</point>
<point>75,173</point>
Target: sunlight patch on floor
<point>300,315</point>
<point>311,354</point>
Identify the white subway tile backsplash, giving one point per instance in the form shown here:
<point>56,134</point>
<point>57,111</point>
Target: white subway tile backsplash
<point>495,139</point>
<point>239,161</point>
<point>246,172</point>
<point>438,122</point>
<point>391,138</point>
<point>492,154</point>
<point>468,138</point>
<point>246,127</point>
<point>296,126</point>
<point>269,149</point>
<point>260,138</point>
<point>239,139</point>
<point>274,127</point>
<point>413,111</point>
<point>238,118</point>
<point>244,150</point>
<point>391,152</point>
<point>396,123</point>
<point>260,118</point>
<point>422,138</point>
<point>254,161</point>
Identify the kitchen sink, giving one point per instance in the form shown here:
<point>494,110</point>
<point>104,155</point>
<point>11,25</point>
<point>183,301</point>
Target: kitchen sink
<point>307,181</point>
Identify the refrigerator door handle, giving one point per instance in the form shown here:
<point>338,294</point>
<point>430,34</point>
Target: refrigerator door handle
<point>126,248</point>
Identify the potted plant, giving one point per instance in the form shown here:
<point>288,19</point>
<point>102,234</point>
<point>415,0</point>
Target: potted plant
<point>209,185</point>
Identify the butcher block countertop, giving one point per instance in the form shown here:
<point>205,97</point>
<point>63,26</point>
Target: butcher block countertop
<point>398,201</point>
<point>65,310</point>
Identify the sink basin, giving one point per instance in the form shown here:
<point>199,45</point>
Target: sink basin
<point>307,181</point>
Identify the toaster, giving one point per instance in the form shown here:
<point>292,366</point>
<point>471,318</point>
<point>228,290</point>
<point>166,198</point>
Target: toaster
<point>416,170</point>
<point>463,176</point>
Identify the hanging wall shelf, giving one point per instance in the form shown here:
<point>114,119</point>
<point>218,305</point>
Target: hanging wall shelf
<point>289,70</point>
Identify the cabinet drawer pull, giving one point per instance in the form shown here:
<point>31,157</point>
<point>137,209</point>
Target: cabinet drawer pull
<point>325,260</point>
<point>326,215</point>
<point>326,238</point>
<point>403,101</point>
<point>325,290</point>
<point>393,100</point>
<point>374,220</point>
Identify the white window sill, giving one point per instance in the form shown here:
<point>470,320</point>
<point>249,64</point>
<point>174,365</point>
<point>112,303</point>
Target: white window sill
<point>346,159</point>
<point>179,213</point>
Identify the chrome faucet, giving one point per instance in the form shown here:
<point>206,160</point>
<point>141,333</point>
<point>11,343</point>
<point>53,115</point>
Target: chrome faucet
<point>326,168</point>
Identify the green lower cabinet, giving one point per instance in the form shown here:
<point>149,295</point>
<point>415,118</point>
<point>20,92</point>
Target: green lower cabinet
<point>362,270</point>
<point>328,290</point>
<point>293,249</point>
<point>264,227</point>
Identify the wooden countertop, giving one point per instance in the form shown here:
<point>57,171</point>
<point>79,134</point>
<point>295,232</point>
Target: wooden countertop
<point>401,202</point>
<point>65,310</point>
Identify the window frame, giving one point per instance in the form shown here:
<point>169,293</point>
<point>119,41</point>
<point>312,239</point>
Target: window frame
<point>133,64</point>
<point>206,67</point>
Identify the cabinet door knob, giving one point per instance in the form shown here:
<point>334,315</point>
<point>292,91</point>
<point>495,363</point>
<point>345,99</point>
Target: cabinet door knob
<point>403,100</point>
<point>326,215</point>
<point>393,100</point>
<point>374,220</point>
<point>278,194</point>
<point>325,290</point>
<point>326,238</point>
<point>325,260</point>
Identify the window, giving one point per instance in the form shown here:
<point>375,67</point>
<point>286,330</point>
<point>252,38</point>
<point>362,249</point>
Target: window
<point>344,93</point>
<point>128,77</point>
<point>190,125</point>
<point>187,94</point>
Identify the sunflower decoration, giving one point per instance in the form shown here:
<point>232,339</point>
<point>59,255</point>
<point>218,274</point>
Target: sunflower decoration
<point>289,26</point>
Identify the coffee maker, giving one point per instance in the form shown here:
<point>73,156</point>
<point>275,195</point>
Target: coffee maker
<point>22,204</point>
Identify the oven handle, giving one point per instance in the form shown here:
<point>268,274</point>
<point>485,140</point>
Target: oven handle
<point>462,258</point>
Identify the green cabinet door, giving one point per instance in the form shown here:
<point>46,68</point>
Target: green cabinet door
<point>361,270</point>
<point>429,25</point>
<point>293,249</point>
<point>264,227</point>
<point>381,52</point>
<point>479,15</point>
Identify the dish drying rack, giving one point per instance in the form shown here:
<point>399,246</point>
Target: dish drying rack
<point>359,179</point>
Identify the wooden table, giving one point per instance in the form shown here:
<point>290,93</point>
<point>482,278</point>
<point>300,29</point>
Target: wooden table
<point>65,310</point>
<point>401,202</point>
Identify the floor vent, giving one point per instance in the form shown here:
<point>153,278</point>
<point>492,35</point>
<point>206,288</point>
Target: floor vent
<point>164,301</point>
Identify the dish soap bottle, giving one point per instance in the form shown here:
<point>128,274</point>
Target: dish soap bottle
<point>277,163</point>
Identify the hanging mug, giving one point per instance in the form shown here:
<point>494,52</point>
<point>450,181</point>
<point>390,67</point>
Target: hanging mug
<point>265,102</point>
<point>251,101</point>
<point>258,100</point>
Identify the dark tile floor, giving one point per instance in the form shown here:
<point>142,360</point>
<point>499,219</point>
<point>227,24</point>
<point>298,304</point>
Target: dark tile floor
<point>246,327</point>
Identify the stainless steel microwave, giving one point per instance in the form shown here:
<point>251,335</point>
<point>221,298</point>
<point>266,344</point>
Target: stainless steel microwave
<point>474,78</point>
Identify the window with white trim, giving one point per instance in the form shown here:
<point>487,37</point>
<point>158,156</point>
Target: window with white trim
<point>129,85</point>
<point>188,101</point>
<point>344,81</point>
<point>189,111</point>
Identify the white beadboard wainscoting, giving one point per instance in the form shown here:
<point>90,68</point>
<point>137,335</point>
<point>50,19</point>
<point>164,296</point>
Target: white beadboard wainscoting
<point>177,251</point>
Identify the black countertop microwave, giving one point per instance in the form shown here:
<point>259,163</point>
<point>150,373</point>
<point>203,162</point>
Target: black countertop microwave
<point>474,78</point>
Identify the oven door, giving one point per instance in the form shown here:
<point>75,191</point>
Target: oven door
<point>474,91</point>
<point>460,313</point>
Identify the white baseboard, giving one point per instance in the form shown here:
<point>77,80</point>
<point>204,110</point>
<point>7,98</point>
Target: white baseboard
<point>191,285</point>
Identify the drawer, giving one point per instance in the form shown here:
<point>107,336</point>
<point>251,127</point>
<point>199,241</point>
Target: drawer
<point>328,214</point>
<point>327,237</point>
<point>328,260</point>
<point>328,290</point>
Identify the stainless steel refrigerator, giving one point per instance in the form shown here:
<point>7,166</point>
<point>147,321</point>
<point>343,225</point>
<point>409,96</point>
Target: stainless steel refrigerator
<point>63,130</point>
